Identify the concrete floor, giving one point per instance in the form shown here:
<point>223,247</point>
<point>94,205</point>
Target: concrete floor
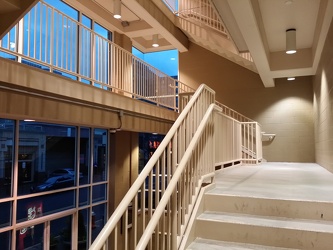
<point>268,206</point>
<point>295,181</point>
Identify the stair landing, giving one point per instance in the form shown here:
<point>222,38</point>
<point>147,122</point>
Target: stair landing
<point>290,181</point>
<point>268,206</point>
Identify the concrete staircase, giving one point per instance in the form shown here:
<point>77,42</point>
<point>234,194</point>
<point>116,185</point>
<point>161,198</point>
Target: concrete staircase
<point>227,221</point>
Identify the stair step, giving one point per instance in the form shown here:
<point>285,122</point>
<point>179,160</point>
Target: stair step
<point>312,210</point>
<point>200,244</point>
<point>265,230</point>
<point>269,221</point>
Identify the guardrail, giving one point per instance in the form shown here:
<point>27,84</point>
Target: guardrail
<point>203,13</point>
<point>251,142</point>
<point>155,211</point>
<point>144,195</point>
<point>48,39</point>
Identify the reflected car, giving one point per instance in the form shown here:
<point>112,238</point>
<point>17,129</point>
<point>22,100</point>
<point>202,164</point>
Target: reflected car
<point>53,183</point>
<point>65,172</point>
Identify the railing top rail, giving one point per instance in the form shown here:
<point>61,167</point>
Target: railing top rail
<point>117,214</point>
<point>224,107</point>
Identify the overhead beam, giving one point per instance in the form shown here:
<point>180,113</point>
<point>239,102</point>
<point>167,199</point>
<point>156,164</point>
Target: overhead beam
<point>11,17</point>
<point>246,18</point>
<point>148,11</point>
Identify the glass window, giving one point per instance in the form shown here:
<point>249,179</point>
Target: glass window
<point>5,208</point>
<point>60,233</point>
<point>84,194</point>
<point>85,52</point>
<point>85,155</point>
<point>99,213</point>
<point>5,239</point>
<point>6,157</point>
<point>165,61</point>
<point>83,229</point>
<point>38,206</point>
<point>100,141</point>
<point>86,21</point>
<point>46,157</point>
<point>30,237</point>
<point>99,193</point>
<point>64,8</point>
<point>100,30</point>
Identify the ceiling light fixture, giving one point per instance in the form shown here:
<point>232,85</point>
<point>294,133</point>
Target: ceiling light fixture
<point>291,78</point>
<point>155,41</point>
<point>117,9</point>
<point>291,41</point>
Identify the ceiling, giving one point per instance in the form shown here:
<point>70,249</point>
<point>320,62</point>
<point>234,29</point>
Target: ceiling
<point>263,24</point>
<point>255,26</point>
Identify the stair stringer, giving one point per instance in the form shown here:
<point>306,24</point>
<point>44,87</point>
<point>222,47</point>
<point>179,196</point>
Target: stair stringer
<point>214,41</point>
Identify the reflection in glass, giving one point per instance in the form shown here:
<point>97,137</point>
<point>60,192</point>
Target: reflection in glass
<point>5,240</point>
<point>84,194</point>
<point>60,233</point>
<point>99,213</point>
<point>99,193</point>
<point>83,229</point>
<point>5,210</point>
<point>34,207</point>
<point>30,237</point>
<point>45,151</point>
<point>85,155</point>
<point>100,141</point>
<point>6,156</point>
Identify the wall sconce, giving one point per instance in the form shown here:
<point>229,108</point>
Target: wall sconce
<point>155,41</point>
<point>291,41</point>
<point>117,9</point>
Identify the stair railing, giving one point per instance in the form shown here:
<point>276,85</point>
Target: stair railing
<point>129,220</point>
<point>251,142</point>
<point>196,166</point>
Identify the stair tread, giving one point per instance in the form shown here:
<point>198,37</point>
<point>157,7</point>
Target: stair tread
<point>269,221</point>
<point>199,244</point>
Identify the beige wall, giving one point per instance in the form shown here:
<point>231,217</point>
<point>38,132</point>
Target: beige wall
<point>285,110</point>
<point>323,100</point>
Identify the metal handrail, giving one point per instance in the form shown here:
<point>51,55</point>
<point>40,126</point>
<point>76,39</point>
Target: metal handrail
<point>171,189</point>
<point>196,107</point>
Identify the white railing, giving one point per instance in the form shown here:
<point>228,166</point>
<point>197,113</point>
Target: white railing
<point>228,140</point>
<point>232,113</point>
<point>129,221</point>
<point>203,13</point>
<point>250,137</point>
<point>251,142</point>
<point>155,211</point>
<point>48,39</point>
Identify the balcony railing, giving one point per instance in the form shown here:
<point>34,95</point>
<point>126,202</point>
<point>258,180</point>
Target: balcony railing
<point>203,13</point>
<point>48,39</point>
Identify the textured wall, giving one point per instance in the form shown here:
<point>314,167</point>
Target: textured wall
<point>285,110</point>
<point>323,101</point>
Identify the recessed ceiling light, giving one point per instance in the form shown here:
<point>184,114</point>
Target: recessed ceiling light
<point>291,78</point>
<point>29,120</point>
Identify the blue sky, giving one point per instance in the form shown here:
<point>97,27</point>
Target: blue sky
<point>166,61</point>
